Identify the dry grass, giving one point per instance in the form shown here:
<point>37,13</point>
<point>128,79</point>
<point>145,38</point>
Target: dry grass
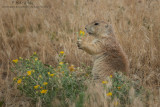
<point>48,31</point>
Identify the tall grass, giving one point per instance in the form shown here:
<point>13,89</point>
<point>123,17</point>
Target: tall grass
<point>47,31</point>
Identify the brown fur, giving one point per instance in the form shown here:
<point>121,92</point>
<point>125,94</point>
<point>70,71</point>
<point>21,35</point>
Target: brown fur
<point>108,56</point>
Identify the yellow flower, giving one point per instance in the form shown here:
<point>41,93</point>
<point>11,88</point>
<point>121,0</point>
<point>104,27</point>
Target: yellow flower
<point>15,61</point>
<point>33,71</point>
<point>29,73</point>
<point>62,72</point>
<point>44,91</point>
<point>24,77</point>
<point>41,87</point>
<point>51,75</point>
<point>45,83</point>
<point>119,87</point>
<point>110,76</point>
<point>34,53</point>
<point>82,33</point>
<point>61,63</point>
<point>62,52</point>
<point>71,68</point>
<point>104,82</point>
<point>35,87</point>
<point>19,81</point>
<point>20,58</point>
<point>14,78</point>
<point>48,73</point>
<point>36,59</point>
<point>109,94</point>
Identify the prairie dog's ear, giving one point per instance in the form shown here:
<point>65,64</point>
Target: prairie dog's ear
<point>109,29</point>
<point>106,26</point>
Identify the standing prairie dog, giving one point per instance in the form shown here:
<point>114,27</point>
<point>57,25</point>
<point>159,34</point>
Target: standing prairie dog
<point>108,56</point>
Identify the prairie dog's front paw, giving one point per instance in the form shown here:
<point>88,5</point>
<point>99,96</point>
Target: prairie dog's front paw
<point>79,44</point>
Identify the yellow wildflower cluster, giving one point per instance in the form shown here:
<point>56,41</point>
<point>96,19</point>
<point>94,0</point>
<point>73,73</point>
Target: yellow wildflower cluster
<point>15,61</point>
<point>44,91</point>
<point>82,33</point>
<point>51,75</point>
<point>35,87</point>
<point>61,63</point>
<point>27,59</point>
<point>19,81</point>
<point>45,83</point>
<point>109,94</point>
<point>104,82</point>
<point>119,88</point>
<point>71,68</point>
<point>29,73</point>
<point>61,52</point>
<point>14,78</point>
<point>20,58</point>
<point>34,53</point>
<point>36,59</point>
<point>110,76</point>
<point>40,76</point>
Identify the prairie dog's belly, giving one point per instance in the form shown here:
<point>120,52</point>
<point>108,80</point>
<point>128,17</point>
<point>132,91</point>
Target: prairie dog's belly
<point>100,67</point>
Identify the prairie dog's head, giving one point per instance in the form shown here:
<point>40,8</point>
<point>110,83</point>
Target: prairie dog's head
<point>99,28</point>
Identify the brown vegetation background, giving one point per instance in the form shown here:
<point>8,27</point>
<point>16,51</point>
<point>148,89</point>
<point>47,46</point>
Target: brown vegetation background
<point>49,30</point>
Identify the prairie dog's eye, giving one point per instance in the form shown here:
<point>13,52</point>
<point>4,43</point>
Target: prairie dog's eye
<point>96,24</point>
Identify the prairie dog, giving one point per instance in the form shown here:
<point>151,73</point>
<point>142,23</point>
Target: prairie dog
<point>108,55</point>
